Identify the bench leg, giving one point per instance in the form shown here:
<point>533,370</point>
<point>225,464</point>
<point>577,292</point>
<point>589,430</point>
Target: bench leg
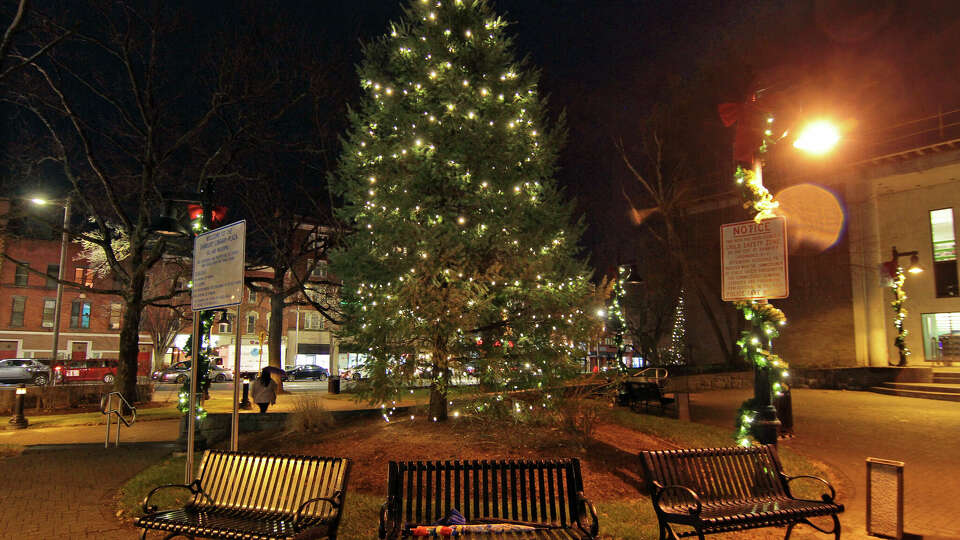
<point>835,530</point>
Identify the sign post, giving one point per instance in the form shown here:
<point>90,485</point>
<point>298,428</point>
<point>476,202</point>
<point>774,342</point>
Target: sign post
<point>753,261</point>
<point>218,261</point>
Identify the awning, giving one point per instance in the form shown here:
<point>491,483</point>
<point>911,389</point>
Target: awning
<point>313,348</point>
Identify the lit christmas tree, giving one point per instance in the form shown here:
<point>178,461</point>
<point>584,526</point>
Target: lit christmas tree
<point>678,337</point>
<point>464,255</point>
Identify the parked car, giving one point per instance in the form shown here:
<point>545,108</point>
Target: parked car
<point>24,370</point>
<point>308,371</point>
<point>89,370</point>
<point>180,373</point>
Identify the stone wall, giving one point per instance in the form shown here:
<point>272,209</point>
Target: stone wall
<point>856,378</point>
<point>67,396</point>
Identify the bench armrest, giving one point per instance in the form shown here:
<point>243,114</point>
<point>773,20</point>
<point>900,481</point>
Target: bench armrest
<point>193,487</point>
<point>827,498</point>
<point>594,529</point>
<point>336,500</point>
<point>661,489</point>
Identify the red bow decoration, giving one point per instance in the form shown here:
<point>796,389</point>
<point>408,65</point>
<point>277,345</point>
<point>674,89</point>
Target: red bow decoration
<point>217,213</point>
<point>749,132</point>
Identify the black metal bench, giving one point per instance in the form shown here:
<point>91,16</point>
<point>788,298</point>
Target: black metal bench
<point>645,392</point>
<point>255,497</point>
<point>537,499</point>
<point>714,490</point>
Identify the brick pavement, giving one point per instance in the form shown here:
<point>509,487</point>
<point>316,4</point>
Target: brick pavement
<point>843,428</point>
<point>69,491</point>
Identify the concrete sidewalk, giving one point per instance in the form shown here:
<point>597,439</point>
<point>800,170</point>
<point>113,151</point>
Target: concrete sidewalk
<point>843,428</point>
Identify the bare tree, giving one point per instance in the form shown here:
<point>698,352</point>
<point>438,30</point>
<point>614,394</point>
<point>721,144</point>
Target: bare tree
<point>664,175</point>
<point>108,107</point>
<point>16,53</point>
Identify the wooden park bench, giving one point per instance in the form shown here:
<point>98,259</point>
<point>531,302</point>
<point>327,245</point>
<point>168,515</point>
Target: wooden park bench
<point>256,497</point>
<point>529,499</point>
<point>714,490</point>
<point>644,393</point>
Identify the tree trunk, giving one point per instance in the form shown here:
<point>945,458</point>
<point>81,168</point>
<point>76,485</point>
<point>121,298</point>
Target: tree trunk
<point>126,381</point>
<point>440,384</point>
<point>275,330</point>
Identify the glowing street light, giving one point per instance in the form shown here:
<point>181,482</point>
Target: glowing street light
<point>817,138</point>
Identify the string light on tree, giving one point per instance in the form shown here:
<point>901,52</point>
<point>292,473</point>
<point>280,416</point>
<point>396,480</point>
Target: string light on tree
<point>452,203</point>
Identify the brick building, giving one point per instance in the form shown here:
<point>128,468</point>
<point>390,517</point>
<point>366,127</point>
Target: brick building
<point>89,322</point>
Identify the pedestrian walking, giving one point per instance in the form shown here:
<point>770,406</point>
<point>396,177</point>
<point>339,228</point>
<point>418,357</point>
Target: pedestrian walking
<point>264,390</point>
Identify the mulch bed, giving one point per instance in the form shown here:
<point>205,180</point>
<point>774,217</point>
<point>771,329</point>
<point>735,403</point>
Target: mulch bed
<point>611,469</point>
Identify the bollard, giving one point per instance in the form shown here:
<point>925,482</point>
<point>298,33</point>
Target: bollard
<point>245,402</point>
<point>19,421</point>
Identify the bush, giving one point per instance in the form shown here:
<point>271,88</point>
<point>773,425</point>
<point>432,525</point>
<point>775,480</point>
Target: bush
<point>309,415</point>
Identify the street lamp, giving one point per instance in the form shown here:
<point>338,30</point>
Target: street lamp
<point>900,297</point>
<point>64,239</point>
<point>753,135</point>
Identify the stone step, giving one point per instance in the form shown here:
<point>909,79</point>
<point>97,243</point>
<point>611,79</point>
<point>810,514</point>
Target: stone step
<point>946,377</point>
<point>946,388</point>
<point>943,396</point>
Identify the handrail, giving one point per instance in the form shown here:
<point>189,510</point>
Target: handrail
<point>107,409</point>
<point>659,373</point>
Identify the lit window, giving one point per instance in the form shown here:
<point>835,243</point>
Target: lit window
<point>941,336</point>
<point>80,314</point>
<point>943,236</point>
<point>251,323</point>
<point>251,296</point>
<point>49,312</point>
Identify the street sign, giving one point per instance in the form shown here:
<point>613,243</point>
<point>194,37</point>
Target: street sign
<point>753,260</point>
<point>218,262</point>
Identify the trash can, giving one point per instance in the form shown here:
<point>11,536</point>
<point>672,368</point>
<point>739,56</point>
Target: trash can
<point>784,406</point>
<point>333,384</point>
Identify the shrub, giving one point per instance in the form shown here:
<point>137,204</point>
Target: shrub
<point>309,415</point>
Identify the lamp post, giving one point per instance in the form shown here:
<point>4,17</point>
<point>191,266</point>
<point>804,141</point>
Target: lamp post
<point>752,138</point>
<point>64,240</point>
<point>900,297</point>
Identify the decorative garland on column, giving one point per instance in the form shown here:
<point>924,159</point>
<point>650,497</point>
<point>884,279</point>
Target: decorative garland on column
<point>900,313</point>
<point>755,343</point>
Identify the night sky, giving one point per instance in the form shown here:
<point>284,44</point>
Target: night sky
<point>607,63</point>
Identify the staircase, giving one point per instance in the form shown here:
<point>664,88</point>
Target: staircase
<point>945,387</point>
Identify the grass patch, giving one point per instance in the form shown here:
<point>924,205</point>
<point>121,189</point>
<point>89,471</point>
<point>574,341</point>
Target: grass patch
<point>169,471</point>
<point>96,418</point>
<point>627,519</point>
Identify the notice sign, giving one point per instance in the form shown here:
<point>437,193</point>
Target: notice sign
<point>218,261</point>
<point>754,260</point>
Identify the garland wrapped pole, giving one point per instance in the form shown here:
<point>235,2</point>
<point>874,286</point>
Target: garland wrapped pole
<point>757,417</point>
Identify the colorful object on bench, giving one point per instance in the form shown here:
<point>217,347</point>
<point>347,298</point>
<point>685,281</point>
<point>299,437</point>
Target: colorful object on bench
<point>459,530</point>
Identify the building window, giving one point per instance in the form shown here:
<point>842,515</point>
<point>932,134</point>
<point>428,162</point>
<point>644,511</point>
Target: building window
<point>941,336</point>
<point>80,314</point>
<point>226,324</point>
<point>319,269</point>
<point>944,240</point>
<point>52,270</point>
<point>22,276</point>
<point>116,310</point>
<point>49,312</point>
<point>251,323</point>
<point>313,321</point>
<point>251,296</point>
<point>84,276</point>
<point>16,314</point>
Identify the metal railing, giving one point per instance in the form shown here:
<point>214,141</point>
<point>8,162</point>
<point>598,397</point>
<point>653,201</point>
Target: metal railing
<point>109,409</point>
<point>657,374</point>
